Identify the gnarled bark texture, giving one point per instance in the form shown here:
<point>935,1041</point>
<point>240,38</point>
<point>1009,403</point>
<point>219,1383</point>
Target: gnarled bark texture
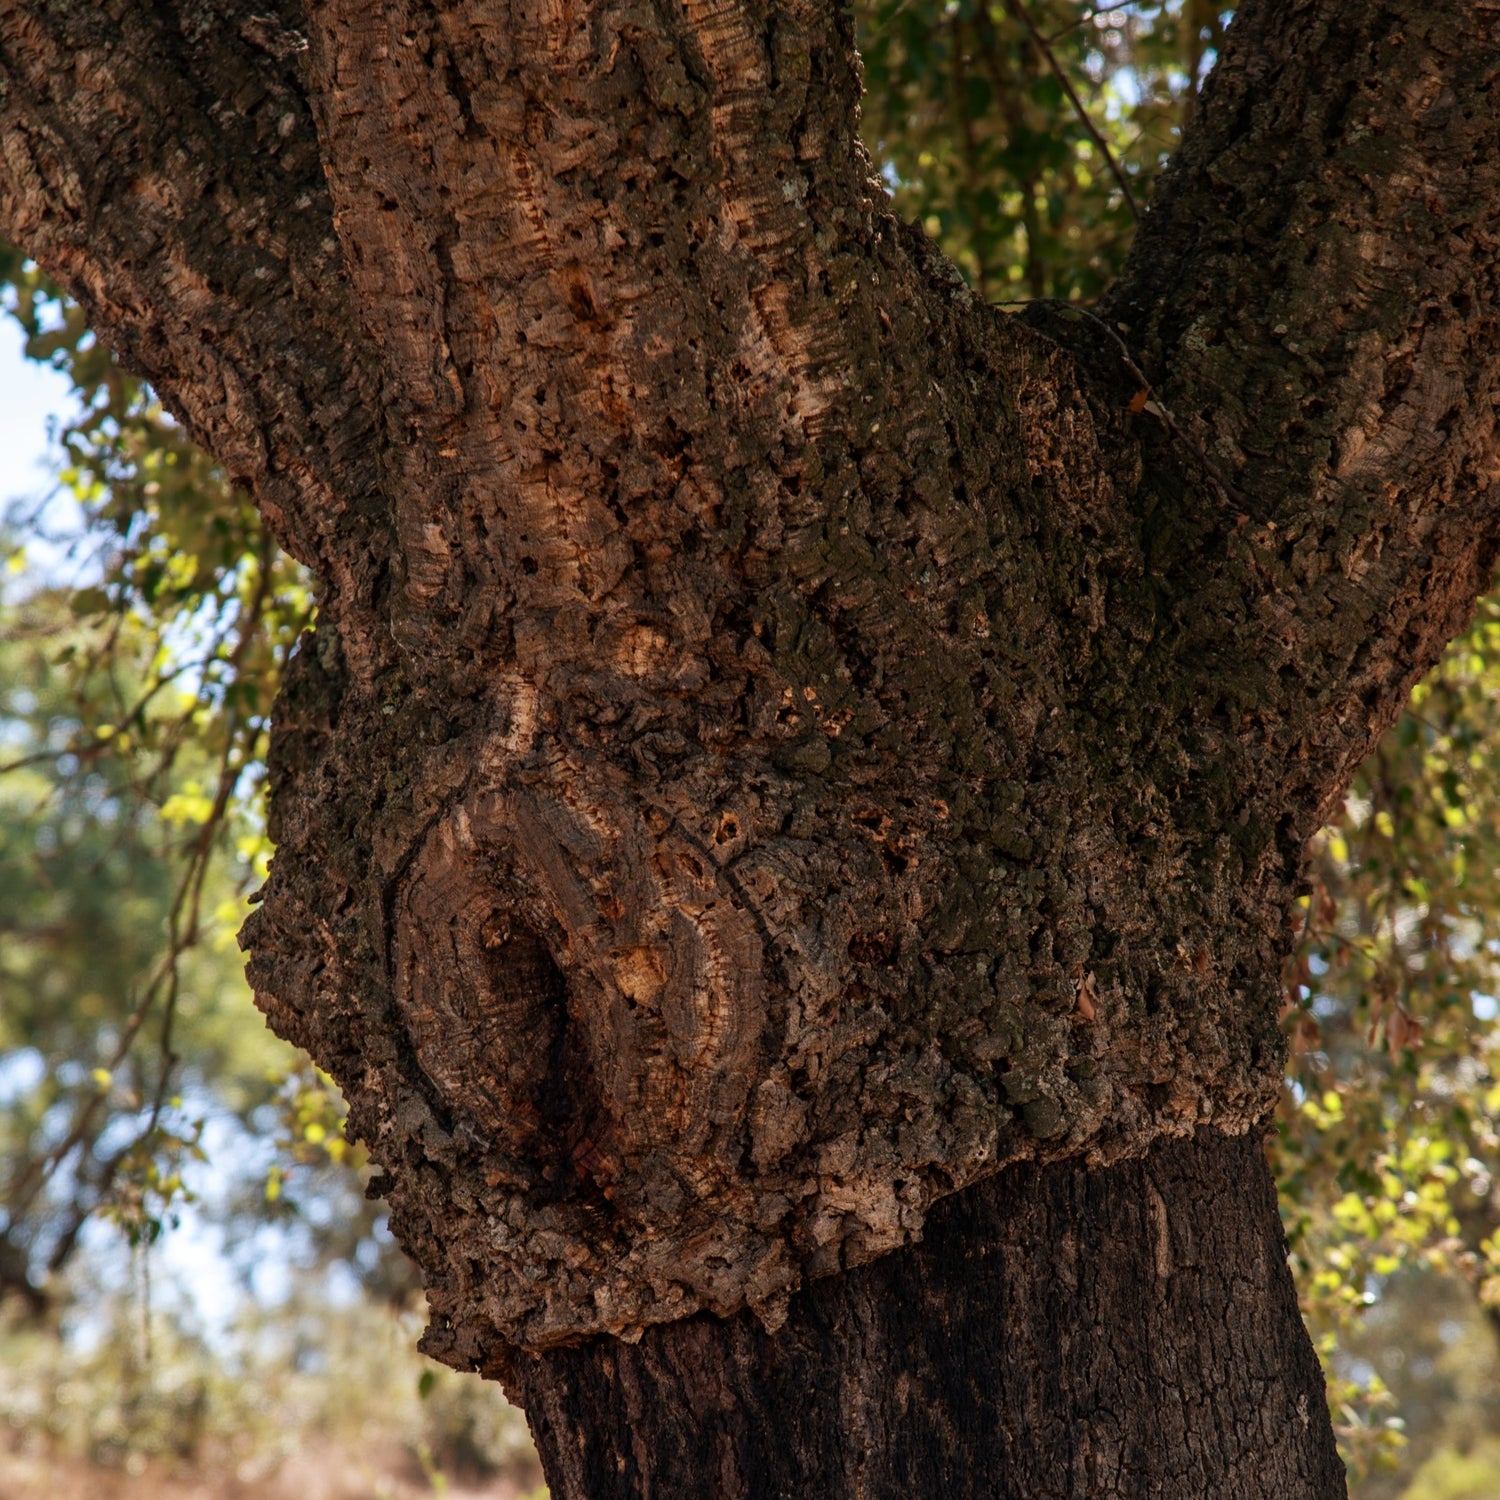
<point>1131,1330</point>
<point>784,742</point>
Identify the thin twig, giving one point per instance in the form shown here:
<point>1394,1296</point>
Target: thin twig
<point>1091,15</point>
<point>1022,14</point>
<point>95,743</point>
<point>971,152</point>
<point>182,937</point>
<point>163,980</point>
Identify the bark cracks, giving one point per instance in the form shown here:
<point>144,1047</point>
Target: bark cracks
<point>1131,1318</point>
<point>782,740</point>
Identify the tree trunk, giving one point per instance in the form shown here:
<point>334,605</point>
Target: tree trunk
<point>786,746</point>
<point>1058,1334</point>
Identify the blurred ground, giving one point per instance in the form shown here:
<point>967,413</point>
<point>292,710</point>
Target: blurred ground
<point>310,1398</point>
<point>326,1472</point>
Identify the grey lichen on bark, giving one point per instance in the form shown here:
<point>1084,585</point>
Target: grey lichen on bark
<point>783,740</point>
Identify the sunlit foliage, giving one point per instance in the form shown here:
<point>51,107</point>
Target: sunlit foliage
<point>1390,1136</point>
<point>1024,136</point>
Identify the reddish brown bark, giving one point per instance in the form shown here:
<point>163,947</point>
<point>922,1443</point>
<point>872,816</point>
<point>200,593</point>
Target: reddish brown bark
<point>783,741</point>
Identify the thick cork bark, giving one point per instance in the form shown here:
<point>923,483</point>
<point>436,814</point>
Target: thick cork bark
<point>784,743</point>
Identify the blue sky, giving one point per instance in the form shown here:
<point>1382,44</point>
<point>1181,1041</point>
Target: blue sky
<point>30,394</point>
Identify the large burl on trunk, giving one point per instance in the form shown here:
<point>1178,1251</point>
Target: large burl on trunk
<point>790,754</point>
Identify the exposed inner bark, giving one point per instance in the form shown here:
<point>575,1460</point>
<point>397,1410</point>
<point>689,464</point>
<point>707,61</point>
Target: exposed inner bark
<point>1124,1332</point>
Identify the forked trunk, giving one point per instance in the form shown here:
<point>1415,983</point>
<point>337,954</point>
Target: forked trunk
<point>790,755</point>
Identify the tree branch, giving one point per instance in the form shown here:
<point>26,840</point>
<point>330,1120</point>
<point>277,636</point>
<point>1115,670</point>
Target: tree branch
<point>1316,291</point>
<point>161,163</point>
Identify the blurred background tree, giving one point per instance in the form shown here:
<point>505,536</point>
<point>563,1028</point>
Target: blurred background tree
<point>192,1281</point>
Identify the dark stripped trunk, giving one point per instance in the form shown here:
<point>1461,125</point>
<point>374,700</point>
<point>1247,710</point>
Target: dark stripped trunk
<point>787,823</point>
<point>1057,1333</point>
